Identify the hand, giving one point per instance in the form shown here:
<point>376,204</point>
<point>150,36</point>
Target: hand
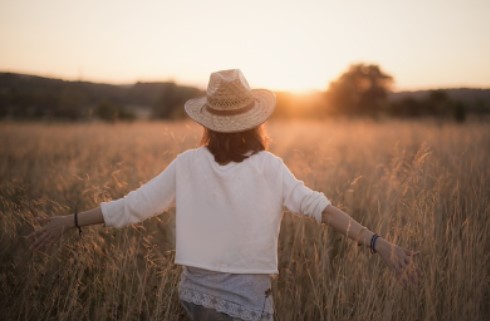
<point>50,231</point>
<point>400,259</point>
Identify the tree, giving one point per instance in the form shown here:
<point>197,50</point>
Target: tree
<point>170,105</point>
<point>361,90</point>
<point>111,112</point>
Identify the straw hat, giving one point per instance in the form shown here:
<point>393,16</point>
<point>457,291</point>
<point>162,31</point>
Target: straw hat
<point>230,105</point>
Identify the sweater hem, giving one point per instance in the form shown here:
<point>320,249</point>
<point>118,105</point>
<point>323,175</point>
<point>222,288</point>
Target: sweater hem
<point>227,269</point>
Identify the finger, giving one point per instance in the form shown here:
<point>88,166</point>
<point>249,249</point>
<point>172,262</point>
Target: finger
<point>407,261</point>
<point>37,232</point>
<point>34,237</point>
<point>410,274</point>
<point>403,276</point>
<point>392,261</point>
<point>398,275</point>
<point>400,266</point>
<point>42,220</point>
<point>413,277</point>
<point>411,253</point>
<point>413,272</point>
<point>49,245</point>
<point>398,270</point>
<point>402,279</point>
<point>40,248</point>
<point>39,241</point>
<point>418,272</point>
<point>35,246</point>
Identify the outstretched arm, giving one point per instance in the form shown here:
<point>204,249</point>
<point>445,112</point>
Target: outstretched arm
<point>395,256</point>
<point>53,227</point>
<point>148,200</point>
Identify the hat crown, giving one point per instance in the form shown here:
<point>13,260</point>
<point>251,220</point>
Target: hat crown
<point>230,105</point>
<point>228,90</point>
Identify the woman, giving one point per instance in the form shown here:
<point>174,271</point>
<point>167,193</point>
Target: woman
<point>229,195</point>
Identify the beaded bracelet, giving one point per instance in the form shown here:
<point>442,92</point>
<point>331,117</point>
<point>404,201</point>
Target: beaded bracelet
<point>76,224</point>
<point>372,245</point>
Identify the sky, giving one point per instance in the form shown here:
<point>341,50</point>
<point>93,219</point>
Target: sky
<point>278,44</point>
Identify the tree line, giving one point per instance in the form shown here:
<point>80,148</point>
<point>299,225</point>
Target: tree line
<point>32,97</point>
<point>363,90</point>
<point>366,90</point>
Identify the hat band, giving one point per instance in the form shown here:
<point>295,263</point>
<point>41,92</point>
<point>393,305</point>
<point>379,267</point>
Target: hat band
<point>230,112</point>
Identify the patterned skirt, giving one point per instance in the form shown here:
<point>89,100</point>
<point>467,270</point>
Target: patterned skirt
<point>237,296</point>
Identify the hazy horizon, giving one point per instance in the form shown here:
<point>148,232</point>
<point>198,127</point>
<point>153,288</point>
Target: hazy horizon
<point>203,87</point>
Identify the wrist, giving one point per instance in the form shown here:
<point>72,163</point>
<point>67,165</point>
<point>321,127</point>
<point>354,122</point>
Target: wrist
<point>381,245</point>
<point>69,221</point>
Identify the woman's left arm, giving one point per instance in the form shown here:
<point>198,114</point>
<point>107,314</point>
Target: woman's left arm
<point>395,256</point>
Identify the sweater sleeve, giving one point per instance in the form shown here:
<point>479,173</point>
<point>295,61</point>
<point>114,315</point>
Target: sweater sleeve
<point>300,199</point>
<point>150,199</point>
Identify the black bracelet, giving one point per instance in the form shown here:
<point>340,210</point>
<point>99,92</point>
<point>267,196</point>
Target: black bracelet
<point>373,243</point>
<point>76,224</point>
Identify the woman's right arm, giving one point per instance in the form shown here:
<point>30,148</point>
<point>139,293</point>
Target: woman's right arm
<point>150,199</point>
<point>52,228</point>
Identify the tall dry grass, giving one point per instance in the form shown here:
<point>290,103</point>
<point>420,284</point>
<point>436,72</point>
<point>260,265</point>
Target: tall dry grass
<point>425,186</point>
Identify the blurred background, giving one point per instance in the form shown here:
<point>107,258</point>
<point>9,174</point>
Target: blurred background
<point>382,105</point>
<point>127,60</point>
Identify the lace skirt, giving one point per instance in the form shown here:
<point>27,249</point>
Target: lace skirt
<point>239,296</point>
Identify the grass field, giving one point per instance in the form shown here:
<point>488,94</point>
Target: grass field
<point>425,186</point>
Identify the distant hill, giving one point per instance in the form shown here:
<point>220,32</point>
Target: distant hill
<point>473,98</point>
<point>33,97</point>
<point>28,96</point>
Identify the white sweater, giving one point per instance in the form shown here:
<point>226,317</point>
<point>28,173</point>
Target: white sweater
<point>227,217</point>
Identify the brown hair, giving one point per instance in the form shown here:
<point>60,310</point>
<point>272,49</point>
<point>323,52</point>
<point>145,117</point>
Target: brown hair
<point>235,147</point>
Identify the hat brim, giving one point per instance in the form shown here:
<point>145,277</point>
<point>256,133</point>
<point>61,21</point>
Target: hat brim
<point>265,102</point>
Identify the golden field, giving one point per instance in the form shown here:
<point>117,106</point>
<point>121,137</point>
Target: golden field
<point>425,186</point>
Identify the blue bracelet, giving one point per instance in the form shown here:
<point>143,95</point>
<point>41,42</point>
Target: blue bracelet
<point>373,243</point>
